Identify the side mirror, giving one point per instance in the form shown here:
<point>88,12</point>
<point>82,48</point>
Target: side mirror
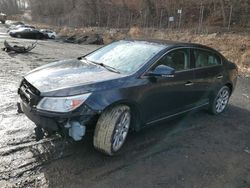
<point>162,71</point>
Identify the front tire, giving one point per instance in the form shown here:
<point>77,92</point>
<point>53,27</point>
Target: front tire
<point>219,103</point>
<point>112,129</point>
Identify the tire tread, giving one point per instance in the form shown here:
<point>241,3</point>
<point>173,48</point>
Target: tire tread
<point>105,127</point>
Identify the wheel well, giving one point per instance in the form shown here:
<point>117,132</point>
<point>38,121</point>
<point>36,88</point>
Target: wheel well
<point>136,120</point>
<point>230,86</point>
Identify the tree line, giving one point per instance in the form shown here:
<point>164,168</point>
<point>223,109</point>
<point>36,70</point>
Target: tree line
<point>9,6</point>
<point>144,13</point>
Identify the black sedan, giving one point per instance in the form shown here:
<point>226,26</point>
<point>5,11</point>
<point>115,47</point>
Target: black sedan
<point>28,33</point>
<point>124,86</point>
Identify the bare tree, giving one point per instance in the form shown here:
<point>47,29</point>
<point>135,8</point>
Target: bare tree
<point>9,7</point>
<point>146,13</point>
<point>222,4</point>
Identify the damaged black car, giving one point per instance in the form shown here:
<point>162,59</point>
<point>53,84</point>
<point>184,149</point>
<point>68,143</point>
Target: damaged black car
<point>125,86</point>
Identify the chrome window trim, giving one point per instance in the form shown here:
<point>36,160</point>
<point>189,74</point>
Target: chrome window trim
<point>191,69</point>
<point>213,53</point>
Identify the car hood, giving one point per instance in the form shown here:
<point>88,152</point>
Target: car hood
<point>69,75</point>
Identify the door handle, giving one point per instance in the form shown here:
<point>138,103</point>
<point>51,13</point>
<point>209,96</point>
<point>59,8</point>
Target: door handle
<point>220,77</point>
<point>189,83</point>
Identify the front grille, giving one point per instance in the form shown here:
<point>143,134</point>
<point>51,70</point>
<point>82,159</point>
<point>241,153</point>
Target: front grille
<point>30,87</point>
<point>28,93</point>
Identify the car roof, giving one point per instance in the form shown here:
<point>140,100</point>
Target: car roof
<point>171,44</point>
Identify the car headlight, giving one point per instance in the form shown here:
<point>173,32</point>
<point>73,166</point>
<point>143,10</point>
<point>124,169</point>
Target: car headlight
<point>62,104</point>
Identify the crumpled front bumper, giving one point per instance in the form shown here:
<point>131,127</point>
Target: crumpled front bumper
<point>55,121</point>
<point>47,123</point>
<point>72,123</point>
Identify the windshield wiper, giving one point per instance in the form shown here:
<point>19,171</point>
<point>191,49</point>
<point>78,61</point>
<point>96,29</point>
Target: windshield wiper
<point>109,68</point>
<point>112,69</point>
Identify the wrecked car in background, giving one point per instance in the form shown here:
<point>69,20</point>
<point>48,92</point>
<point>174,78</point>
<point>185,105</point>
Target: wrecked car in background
<point>85,39</point>
<point>27,33</point>
<point>124,86</point>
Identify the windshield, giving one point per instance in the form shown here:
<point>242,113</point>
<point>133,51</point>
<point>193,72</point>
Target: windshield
<point>125,56</point>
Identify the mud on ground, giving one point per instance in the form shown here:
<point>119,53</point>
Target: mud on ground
<point>196,150</point>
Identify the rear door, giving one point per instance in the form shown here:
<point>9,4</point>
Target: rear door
<point>208,73</point>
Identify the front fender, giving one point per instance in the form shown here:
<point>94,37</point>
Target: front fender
<point>100,101</point>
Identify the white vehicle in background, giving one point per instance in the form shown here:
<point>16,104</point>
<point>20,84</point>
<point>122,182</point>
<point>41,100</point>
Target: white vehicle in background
<point>20,26</point>
<point>48,33</point>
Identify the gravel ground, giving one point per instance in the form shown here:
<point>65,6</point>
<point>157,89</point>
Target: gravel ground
<point>196,150</point>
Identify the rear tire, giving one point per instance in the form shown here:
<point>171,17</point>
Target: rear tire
<point>112,129</point>
<point>219,103</point>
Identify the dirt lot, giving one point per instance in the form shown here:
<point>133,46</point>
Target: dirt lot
<point>197,150</point>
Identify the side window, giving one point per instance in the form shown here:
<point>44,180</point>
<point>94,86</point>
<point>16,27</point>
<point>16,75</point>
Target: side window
<point>177,59</point>
<point>205,59</point>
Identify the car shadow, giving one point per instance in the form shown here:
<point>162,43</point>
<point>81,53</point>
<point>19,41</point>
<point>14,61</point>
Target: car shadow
<point>78,163</point>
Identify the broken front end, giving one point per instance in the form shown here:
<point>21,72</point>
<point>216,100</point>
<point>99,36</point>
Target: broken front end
<point>68,116</point>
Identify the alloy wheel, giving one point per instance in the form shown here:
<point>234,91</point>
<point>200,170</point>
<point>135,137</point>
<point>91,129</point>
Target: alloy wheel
<point>121,130</point>
<point>222,100</point>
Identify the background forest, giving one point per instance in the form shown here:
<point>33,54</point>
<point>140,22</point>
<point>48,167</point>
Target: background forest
<point>127,13</point>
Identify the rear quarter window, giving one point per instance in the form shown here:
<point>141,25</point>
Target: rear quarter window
<point>205,58</point>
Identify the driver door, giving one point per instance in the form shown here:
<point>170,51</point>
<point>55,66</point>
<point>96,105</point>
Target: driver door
<point>167,96</point>
<point>26,33</point>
